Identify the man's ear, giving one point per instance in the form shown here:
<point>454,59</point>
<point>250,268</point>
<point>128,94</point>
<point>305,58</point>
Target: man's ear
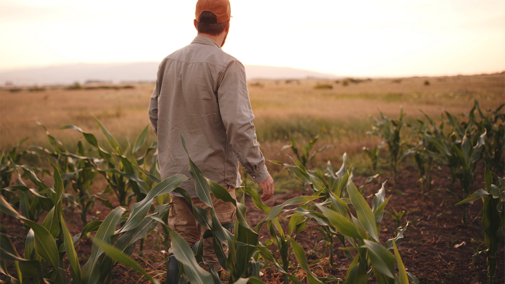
<point>194,23</point>
<point>227,29</point>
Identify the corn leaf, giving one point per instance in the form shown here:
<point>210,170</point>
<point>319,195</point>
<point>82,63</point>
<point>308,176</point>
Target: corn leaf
<point>365,214</point>
<point>122,258</point>
<point>401,267</point>
<point>201,184</point>
<point>141,139</point>
<point>51,222</point>
<point>341,223</point>
<point>75,267</point>
<point>91,270</point>
<point>112,141</point>
<point>381,258</point>
<point>184,254</point>
<point>140,209</point>
<point>302,260</point>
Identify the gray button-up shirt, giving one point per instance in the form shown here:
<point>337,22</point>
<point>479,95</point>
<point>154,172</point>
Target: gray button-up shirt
<point>201,94</point>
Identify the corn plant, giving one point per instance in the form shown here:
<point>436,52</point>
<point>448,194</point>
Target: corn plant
<point>121,170</point>
<point>81,173</point>
<point>335,218</point>
<point>396,216</point>
<point>8,165</point>
<point>304,154</point>
<point>493,219</point>
<point>78,172</point>
<point>374,155</point>
<point>389,130</point>
<point>461,156</point>
<point>47,244</point>
<point>8,162</point>
<point>495,139</point>
<point>325,186</point>
<point>429,150</point>
<point>362,232</point>
<point>32,202</point>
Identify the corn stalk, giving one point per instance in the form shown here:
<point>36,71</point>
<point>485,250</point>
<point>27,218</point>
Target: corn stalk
<point>493,210</point>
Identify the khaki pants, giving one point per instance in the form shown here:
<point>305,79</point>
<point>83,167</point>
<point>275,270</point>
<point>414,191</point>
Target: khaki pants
<point>182,220</point>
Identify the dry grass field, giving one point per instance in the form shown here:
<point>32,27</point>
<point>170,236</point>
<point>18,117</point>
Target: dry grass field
<point>283,108</point>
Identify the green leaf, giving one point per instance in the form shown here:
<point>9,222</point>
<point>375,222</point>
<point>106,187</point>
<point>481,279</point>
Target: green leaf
<point>51,222</point>
<point>140,209</point>
<point>221,193</point>
<point>75,267</point>
<point>184,254</point>
<point>242,248</point>
<point>58,184</point>
<point>278,209</point>
<point>141,139</point>
<point>92,226</point>
<point>439,144</point>
<point>90,138</point>
<point>256,199</point>
<point>481,193</point>
<point>91,270</point>
<point>143,229</point>
<point>122,258</point>
<point>201,184</point>
<point>379,197</point>
<point>45,244</point>
<point>112,141</point>
<point>6,245</point>
<point>380,212</point>
<point>365,214</point>
<point>29,244</point>
<point>341,223</point>
<point>302,260</point>
<point>30,268</point>
<point>401,267</point>
<point>7,208</point>
<point>381,258</point>
<point>294,221</point>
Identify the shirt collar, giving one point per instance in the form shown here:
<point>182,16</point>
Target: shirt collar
<point>204,40</point>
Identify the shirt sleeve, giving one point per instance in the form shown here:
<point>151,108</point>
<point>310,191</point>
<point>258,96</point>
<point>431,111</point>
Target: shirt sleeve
<point>153,105</point>
<point>237,116</point>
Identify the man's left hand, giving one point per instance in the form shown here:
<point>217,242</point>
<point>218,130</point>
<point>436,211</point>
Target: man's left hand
<point>268,188</point>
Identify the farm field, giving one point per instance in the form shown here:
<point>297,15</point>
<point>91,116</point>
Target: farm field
<point>282,108</point>
<point>437,247</point>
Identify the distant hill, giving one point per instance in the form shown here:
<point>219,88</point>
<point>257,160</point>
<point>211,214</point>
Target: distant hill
<point>135,71</point>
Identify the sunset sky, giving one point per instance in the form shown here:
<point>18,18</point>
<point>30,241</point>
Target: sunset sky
<point>352,38</point>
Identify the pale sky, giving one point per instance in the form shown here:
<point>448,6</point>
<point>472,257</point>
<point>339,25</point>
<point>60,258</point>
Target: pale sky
<point>350,38</point>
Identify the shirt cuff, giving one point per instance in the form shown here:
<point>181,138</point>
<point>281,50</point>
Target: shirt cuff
<point>260,175</point>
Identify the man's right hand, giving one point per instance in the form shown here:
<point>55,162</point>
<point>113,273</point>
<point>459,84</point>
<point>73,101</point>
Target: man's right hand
<point>268,188</point>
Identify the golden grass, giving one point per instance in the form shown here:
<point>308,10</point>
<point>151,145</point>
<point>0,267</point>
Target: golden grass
<point>342,111</point>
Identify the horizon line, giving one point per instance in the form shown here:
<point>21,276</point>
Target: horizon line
<point>22,68</point>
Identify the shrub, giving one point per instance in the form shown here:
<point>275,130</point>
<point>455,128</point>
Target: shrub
<point>323,86</point>
<point>75,86</point>
<point>256,84</point>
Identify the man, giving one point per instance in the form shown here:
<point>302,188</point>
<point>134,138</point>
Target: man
<point>201,94</point>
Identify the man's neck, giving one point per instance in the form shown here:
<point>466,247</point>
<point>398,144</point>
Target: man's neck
<point>218,39</point>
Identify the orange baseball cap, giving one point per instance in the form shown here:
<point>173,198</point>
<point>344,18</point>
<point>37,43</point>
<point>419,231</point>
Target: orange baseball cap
<point>220,8</point>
